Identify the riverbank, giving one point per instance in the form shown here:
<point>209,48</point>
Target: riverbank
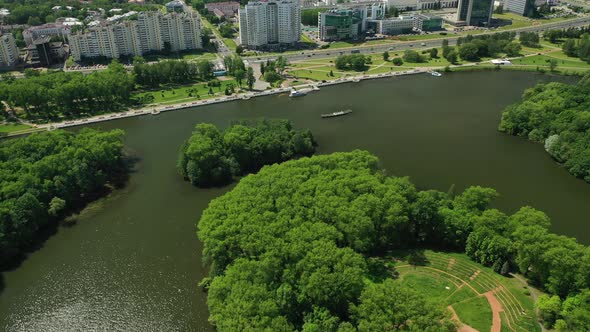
<point>157,109</point>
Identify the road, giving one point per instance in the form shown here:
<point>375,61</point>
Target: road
<point>393,47</point>
<point>371,49</point>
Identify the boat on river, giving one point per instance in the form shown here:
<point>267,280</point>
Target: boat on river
<point>436,74</point>
<point>335,114</point>
<point>155,112</point>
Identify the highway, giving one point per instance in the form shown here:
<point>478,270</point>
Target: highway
<point>401,46</point>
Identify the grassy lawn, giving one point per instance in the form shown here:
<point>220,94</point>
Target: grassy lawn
<point>9,128</point>
<point>453,279</point>
<point>317,74</point>
<point>512,21</point>
<point>179,93</point>
<point>543,61</point>
<point>230,43</point>
<point>427,36</point>
<point>306,39</point>
<point>437,288</point>
<point>475,312</point>
<point>343,44</point>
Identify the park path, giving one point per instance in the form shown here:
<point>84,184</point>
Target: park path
<point>495,305</point>
<point>496,309</point>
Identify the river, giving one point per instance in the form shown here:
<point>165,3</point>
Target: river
<point>131,261</point>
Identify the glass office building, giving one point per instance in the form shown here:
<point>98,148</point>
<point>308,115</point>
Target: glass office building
<point>475,12</point>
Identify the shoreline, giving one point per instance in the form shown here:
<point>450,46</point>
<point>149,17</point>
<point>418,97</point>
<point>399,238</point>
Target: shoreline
<point>156,110</point>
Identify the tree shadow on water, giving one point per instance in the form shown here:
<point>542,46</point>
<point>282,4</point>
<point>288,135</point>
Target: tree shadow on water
<point>12,258</point>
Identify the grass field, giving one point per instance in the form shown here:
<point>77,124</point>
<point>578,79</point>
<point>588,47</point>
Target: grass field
<point>9,128</point>
<point>475,312</point>
<point>230,43</point>
<point>454,280</point>
<point>563,62</point>
<point>175,94</point>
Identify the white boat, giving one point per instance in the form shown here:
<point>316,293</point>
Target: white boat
<point>297,93</point>
<point>335,114</point>
<point>435,73</point>
<point>315,88</point>
<point>245,97</point>
<point>155,112</point>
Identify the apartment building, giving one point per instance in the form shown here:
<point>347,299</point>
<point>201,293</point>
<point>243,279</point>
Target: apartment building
<point>151,32</point>
<point>8,50</point>
<point>228,8</point>
<point>50,29</point>
<point>270,24</point>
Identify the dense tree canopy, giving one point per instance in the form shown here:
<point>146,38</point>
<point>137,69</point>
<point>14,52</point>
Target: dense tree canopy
<point>356,62</point>
<point>177,72</point>
<point>557,115</point>
<point>47,96</point>
<point>289,247</point>
<point>42,176</point>
<point>211,157</point>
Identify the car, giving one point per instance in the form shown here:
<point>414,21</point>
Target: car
<point>423,44</point>
<point>309,56</point>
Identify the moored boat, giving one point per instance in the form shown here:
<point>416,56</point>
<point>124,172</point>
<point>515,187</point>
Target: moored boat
<point>297,93</point>
<point>435,73</point>
<point>335,114</point>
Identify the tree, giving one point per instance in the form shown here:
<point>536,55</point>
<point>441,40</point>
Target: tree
<point>433,53</point>
<point>513,48</point>
<point>412,56</point>
<point>211,157</point>
<point>569,48</point>
<point>239,49</point>
<point>45,175</point>
<point>397,61</point>
<point>452,57</point>
<point>385,56</point>
<point>468,52</point>
<point>239,74</point>
<point>549,308</point>
<point>356,62</point>
<point>552,64</point>
<point>391,306</point>
<point>56,205</point>
<point>202,159</point>
<point>250,79</point>
<point>292,246</point>
<point>530,39</point>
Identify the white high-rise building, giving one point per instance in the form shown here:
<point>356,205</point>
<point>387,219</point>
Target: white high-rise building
<point>270,24</point>
<point>8,50</point>
<point>152,32</point>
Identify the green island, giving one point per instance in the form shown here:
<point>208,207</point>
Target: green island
<point>310,245</point>
<point>45,177</point>
<point>555,114</point>
<point>212,158</point>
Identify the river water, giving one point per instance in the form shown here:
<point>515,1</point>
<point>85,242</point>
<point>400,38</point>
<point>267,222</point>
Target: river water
<point>132,260</point>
